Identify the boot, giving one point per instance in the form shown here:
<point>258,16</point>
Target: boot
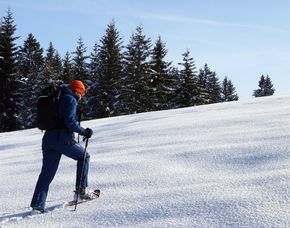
<point>85,194</point>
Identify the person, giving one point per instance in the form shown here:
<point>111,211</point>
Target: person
<point>60,141</point>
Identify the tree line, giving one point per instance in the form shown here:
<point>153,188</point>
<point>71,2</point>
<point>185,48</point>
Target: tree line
<point>120,79</point>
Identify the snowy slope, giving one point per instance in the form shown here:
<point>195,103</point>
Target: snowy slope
<point>221,165</point>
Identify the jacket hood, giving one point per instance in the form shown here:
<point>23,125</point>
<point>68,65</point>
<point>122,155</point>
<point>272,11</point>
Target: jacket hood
<point>66,90</point>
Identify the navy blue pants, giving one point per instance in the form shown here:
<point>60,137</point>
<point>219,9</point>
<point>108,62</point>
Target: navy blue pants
<point>53,146</point>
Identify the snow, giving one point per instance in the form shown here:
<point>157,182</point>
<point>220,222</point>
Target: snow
<point>220,165</point>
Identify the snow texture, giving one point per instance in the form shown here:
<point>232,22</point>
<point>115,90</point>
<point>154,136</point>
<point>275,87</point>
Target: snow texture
<point>220,165</point>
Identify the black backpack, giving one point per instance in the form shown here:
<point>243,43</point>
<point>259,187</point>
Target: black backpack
<point>47,109</point>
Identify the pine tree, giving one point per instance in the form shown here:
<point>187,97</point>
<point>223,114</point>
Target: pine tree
<point>10,97</point>
<point>265,87</point>
<point>177,83</point>
<point>213,88</point>
<point>161,82</point>
<point>58,68</point>
<point>31,73</point>
<point>210,86</point>
<point>135,77</point>
<point>80,67</point>
<point>190,90</point>
<point>80,72</point>
<point>228,91</point>
<point>94,65</point>
<point>67,76</point>
<point>203,79</point>
<point>52,72</point>
<point>110,69</point>
<point>269,87</point>
<point>94,74</point>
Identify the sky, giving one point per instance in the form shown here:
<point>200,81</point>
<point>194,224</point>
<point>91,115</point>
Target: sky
<point>238,39</point>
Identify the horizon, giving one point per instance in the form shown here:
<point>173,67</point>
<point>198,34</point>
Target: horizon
<point>241,40</point>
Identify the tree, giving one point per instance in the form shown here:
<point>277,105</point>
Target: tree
<point>58,68</point>
<point>67,76</point>
<point>94,65</point>
<point>190,88</point>
<point>10,98</point>
<point>136,70</point>
<point>213,88</point>
<point>228,91</point>
<point>52,67</point>
<point>94,73</point>
<point>110,69</point>
<point>203,82</point>
<point>31,73</point>
<point>160,80</point>
<point>80,72</point>
<point>266,87</point>
<point>80,67</point>
<point>269,87</point>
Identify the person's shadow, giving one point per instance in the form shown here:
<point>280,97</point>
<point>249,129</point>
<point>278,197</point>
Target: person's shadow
<point>25,214</point>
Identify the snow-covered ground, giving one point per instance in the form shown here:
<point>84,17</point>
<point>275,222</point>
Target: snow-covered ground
<point>221,165</point>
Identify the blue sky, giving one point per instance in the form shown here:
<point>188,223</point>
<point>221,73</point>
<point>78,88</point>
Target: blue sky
<point>240,39</point>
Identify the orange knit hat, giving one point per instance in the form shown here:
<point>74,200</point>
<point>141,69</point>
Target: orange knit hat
<point>78,86</point>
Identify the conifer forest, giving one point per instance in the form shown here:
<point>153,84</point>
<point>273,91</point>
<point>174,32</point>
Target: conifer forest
<point>120,78</point>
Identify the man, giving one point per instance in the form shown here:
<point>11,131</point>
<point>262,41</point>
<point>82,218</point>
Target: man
<point>62,141</point>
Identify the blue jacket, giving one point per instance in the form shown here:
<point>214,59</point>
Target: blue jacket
<point>67,112</point>
<point>68,109</point>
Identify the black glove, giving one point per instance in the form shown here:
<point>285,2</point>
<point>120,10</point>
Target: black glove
<point>87,133</point>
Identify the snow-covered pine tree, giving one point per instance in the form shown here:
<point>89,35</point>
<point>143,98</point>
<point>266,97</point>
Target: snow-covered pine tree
<point>81,72</point>
<point>108,88</point>
<point>58,66</point>
<point>228,91</point>
<point>174,101</point>
<point>94,65</point>
<point>134,90</point>
<point>161,82</point>
<point>52,67</point>
<point>202,79</point>
<point>80,66</point>
<point>266,87</point>
<point>213,87</point>
<point>30,70</point>
<point>67,76</point>
<point>10,96</point>
<point>189,89</point>
<point>94,72</point>
<point>269,87</point>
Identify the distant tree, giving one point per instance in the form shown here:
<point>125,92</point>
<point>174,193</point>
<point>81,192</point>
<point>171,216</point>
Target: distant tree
<point>161,81</point>
<point>31,72</point>
<point>81,72</point>
<point>203,82</point>
<point>190,88</point>
<point>110,69</point>
<point>94,74</point>
<point>80,66</point>
<point>10,97</point>
<point>228,91</point>
<point>52,67</point>
<point>135,79</point>
<point>213,88</point>
<point>266,87</point>
<point>67,76</point>
<point>94,65</point>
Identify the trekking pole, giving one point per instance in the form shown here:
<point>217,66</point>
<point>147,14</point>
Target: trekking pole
<point>78,190</point>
